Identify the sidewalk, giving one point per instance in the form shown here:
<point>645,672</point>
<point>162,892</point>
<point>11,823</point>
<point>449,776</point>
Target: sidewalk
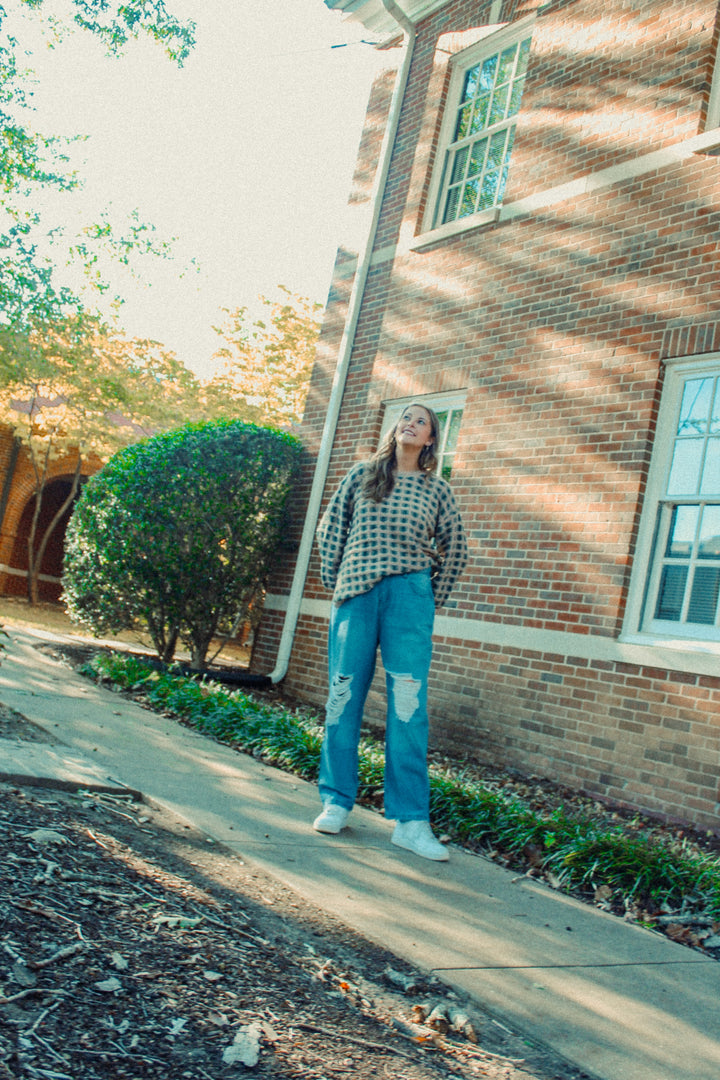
<point>619,1002</point>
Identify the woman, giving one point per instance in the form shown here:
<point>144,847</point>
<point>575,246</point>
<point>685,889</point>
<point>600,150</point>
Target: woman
<point>391,547</point>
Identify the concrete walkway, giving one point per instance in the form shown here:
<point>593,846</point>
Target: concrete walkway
<point>619,1002</point>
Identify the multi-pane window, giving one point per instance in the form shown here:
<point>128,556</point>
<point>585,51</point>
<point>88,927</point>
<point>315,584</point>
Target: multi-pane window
<point>477,157</point>
<point>450,419</point>
<point>683,591</point>
<point>449,411</point>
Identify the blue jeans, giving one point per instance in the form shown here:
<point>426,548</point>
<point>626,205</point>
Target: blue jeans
<point>397,614</point>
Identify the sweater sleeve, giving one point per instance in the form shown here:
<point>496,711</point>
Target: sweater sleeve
<point>334,527</point>
<point>451,545</point>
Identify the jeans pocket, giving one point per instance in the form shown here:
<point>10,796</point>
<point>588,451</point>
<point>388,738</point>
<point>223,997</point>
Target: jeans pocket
<point>420,582</point>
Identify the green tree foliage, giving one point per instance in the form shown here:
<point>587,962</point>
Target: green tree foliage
<point>177,534</point>
<point>266,364</point>
<point>29,161</point>
<point>118,23</point>
<point>76,389</point>
<point>68,383</point>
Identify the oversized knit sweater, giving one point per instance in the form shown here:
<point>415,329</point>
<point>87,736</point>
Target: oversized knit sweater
<point>417,527</point>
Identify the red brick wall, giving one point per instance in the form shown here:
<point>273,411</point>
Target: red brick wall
<point>636,736</point>
<point>555,322</point>
<point>609,81</point>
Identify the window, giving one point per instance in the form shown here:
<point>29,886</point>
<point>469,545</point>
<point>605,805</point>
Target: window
<point>479,127</point>
<point>449,409</point>
<point>682,590</point>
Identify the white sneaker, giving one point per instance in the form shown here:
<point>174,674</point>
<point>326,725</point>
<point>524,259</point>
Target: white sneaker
<point>417,836</point>
<point>332,819</point>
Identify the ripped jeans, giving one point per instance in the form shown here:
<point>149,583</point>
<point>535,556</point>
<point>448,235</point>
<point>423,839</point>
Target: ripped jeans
<point>397,614</point>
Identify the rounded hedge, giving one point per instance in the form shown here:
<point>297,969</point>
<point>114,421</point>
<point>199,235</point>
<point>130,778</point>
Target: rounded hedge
<point>177,533</point>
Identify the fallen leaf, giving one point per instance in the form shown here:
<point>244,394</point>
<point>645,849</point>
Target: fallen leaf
<point>119,961</point>
<point>406,983</point>
<point>47,836</point>
<point>459,1021</point>
<point>108,986</point>
<point>438,1019</point>
<point>245,1047</point>
<point>23,976</point>
<point>683,934</point>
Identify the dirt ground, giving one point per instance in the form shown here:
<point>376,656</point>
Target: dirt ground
<point>131,946</point>
<point>15,611</point>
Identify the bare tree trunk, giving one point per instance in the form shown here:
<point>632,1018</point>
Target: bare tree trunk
<point>168,651</point>
<point>34,574</point>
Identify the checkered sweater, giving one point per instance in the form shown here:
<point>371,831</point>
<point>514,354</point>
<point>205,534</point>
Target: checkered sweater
<point>416,527</point>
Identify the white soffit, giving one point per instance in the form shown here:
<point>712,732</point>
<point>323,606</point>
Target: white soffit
<point>372,15</point>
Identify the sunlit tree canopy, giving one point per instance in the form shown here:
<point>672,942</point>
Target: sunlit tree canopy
<point>266,364</point>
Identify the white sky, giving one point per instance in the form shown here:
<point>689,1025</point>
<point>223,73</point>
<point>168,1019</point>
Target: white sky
<point>245,154</point>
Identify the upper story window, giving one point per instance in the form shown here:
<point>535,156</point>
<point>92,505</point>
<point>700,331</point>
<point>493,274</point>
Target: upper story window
<point>682,555</point>
<point>479,127</point>
<point>449,410</point>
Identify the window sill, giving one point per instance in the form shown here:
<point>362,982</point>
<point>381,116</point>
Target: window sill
<point>673,644</point>
<point>707,143</point>
<point>455,228</point>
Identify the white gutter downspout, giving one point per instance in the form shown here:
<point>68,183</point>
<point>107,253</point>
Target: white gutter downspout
<point>346,345</point>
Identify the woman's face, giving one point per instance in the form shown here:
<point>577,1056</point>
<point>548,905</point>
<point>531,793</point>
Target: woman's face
<point>414,428</point>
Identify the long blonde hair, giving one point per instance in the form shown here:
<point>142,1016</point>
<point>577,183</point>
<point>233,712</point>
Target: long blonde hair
<point>379,476</point>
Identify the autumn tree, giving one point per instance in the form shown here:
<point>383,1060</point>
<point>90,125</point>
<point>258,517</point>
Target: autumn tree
<point>266,364</point>
<point>74,387</point>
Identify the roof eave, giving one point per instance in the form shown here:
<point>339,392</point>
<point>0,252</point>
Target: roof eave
<point>373,16</point>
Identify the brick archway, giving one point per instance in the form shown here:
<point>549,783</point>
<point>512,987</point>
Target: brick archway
<point>54,494</point>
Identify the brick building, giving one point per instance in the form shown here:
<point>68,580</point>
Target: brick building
<point>540,191</point>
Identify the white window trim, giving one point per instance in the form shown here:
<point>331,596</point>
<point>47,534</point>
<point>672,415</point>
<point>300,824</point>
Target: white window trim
<point>452,228</point>
<point>677,371</point>
<point>494,41</point>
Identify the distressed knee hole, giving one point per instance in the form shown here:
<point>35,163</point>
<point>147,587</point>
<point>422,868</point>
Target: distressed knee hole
<point>406,695</point>
<point>340,694</point>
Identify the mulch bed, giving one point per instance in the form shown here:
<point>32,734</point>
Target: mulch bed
<point>132,947</point>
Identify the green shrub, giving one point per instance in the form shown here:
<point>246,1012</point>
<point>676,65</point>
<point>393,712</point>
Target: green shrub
<point>177,534</point>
